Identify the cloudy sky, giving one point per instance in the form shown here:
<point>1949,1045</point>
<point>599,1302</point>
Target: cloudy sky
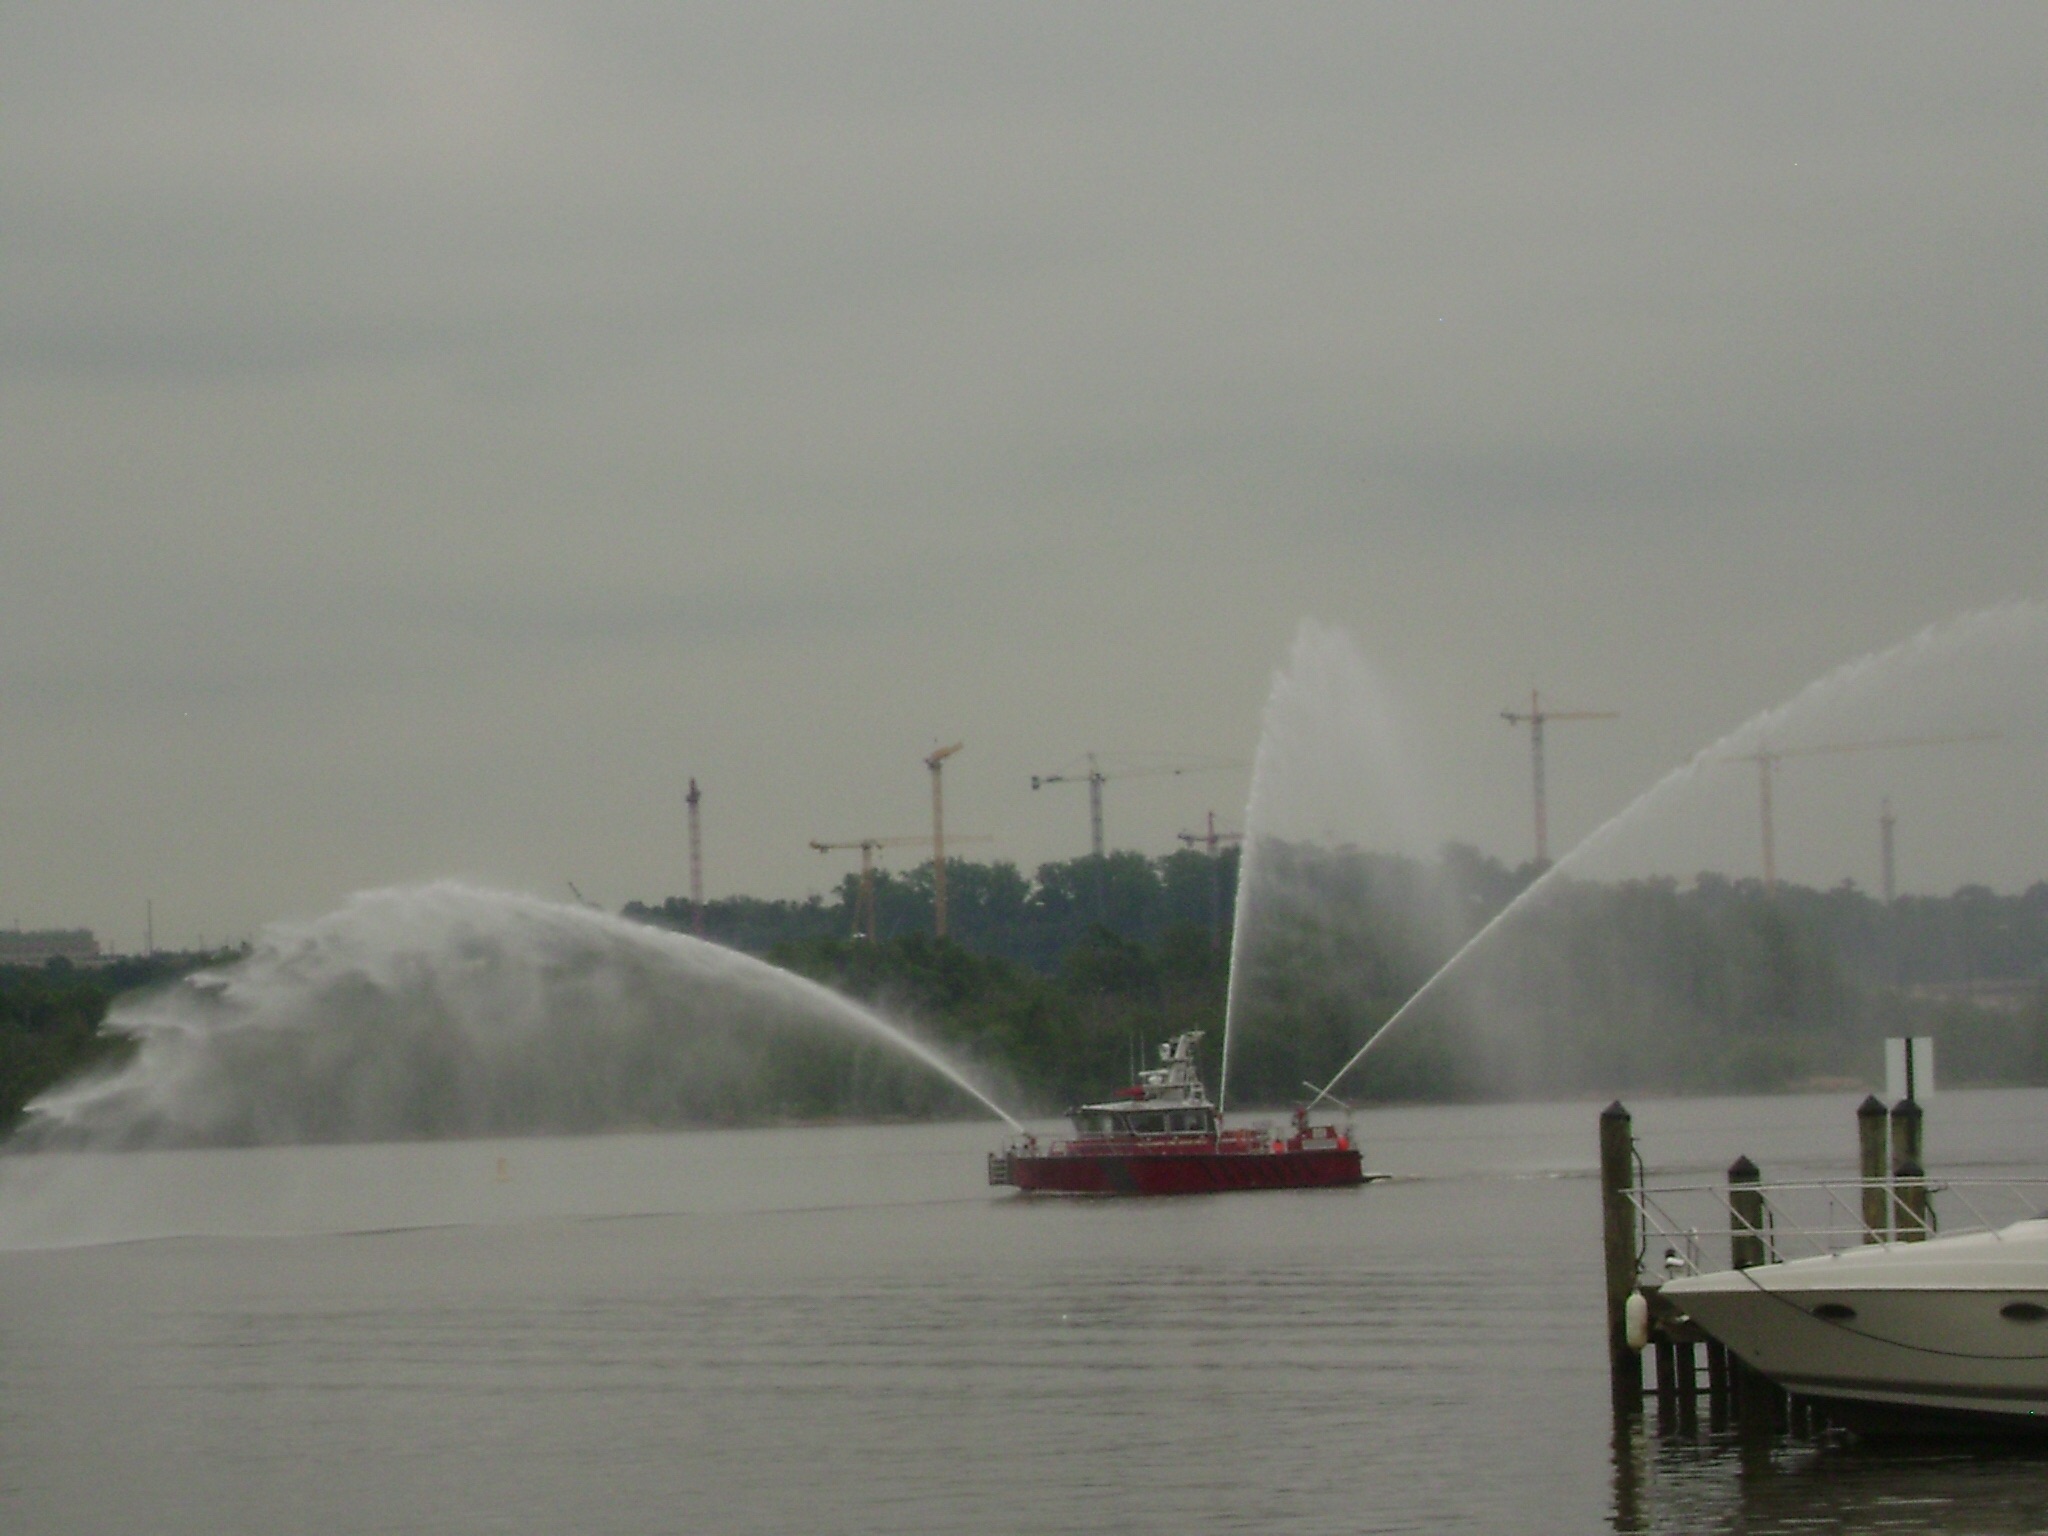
<point>431,433</point>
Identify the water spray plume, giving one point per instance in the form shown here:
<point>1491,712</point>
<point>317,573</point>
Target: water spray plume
<point>445,1010</point>
<point>2008,626</point>
<point>1328,754</point>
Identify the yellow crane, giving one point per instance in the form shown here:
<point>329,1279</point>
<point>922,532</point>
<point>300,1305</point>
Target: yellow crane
<point>864,895</point>
<point>1536,717</point>
<point>1096,776</point>
<point>1767,760</point>
<point>935,762</point>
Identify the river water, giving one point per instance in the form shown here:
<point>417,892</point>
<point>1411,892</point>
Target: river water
<point>845,1330</point>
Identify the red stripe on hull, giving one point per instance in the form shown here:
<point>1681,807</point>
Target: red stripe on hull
<point>1185,1173</point>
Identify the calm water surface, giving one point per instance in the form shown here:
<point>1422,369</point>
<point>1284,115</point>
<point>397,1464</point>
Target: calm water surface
<point>845,1330</point>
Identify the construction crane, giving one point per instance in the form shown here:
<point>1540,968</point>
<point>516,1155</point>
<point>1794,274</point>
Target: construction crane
<point>936,761</point>
<point>1213,841</point>
<point>1767,761</point>
<point>696,859</point>
<point>1536,718</point>
<point>864,894</point>
<point>1886,823</point>
<point>1096,777</point>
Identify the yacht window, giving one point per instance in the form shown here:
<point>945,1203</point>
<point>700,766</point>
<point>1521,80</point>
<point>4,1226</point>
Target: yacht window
<point>1835,1312</point>
<point>2023,1311</point>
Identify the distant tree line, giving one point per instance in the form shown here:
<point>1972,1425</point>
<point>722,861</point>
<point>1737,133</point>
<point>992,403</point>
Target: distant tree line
<point>1719,986</point>
<point>992,909</point>
<point>1716,986</point>
<point>1049,985</point>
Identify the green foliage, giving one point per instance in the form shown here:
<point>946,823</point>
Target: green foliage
<point>745,922</point>
<point>1716,987</point>
<point>1051,985</point>
<point>1039,1041</point>
<point>992,909</point>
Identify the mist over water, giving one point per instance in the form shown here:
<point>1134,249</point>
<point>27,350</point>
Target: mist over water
<point>449,1011</point>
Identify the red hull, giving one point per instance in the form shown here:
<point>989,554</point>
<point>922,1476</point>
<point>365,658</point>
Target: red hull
<point>1179,1172</point>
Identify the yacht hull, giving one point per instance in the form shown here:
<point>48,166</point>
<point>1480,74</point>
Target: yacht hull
<point>1956,1328</point>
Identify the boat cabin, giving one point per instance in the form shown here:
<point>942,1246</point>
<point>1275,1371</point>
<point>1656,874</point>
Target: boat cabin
<point>1121,1120</point>
<point>1167,1100</point>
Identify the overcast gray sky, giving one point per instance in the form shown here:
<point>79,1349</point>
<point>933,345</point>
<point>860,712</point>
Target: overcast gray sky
<point>433,432</point>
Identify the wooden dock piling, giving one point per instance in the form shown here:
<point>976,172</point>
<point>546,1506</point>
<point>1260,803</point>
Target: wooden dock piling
<point>1746,1245</point>
<point>1717,1385</point>
<point>1688,1385</point>
<point>1909,1172</point>
<point>1618,1230</point>
<point>1909,1191</point>
<point>1871,1125</point>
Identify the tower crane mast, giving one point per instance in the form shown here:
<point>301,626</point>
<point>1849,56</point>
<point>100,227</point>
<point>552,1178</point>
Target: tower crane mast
<point>1213,841</point>
<point>864,893</point>
<point>1536,718</point>
<point>937,761</point>
<point>1767,760</point>
<point>1095,777</point>
<point>692,800</point>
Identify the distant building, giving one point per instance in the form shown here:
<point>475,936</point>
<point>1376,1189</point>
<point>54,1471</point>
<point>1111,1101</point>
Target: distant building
<point>39,945</point>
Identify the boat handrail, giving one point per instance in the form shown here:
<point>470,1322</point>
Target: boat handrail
<point>1695,1224</point>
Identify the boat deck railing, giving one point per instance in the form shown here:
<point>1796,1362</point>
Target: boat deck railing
<point>1692,1228</point>
<point>1153,1143</point>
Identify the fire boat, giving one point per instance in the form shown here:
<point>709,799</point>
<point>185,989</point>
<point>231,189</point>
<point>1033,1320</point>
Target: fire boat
<point>1163,1136</point>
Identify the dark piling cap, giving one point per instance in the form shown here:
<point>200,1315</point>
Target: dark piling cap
<point>1908,1109</point>
<point>1908,1169</point>
<point>1743,1171</point>
<point>1615,1111</point>
<point>1871,1108</point>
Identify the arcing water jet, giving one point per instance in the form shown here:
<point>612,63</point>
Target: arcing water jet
<point>445,1010</point>
<point>2012,633</point>
<point>1328,767</point>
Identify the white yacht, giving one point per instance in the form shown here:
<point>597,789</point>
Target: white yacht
<point>1953,1326</point>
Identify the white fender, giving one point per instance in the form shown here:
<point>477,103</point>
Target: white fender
<point>1635,1319</point>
